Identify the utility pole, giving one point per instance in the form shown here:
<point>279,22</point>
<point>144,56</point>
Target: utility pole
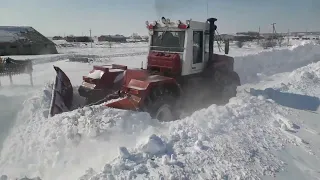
<point>259,36</point>
<point>288,37</point>
<point>274,32</point>
<point>90,38</point>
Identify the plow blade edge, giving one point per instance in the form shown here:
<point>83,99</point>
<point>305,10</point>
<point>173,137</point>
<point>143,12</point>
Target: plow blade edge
<point>62,93</point>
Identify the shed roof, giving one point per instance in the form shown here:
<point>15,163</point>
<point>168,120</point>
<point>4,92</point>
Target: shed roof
<point>13,33</point>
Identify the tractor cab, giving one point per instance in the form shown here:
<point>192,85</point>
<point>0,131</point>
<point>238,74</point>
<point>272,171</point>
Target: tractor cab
<point>180,49</point>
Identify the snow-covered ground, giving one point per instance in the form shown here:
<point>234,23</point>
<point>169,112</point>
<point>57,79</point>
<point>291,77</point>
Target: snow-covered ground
<point>269,131</point>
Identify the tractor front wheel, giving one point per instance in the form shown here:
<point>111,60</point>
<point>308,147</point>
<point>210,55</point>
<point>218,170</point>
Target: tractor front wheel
<point>163,108</point>
<point>164,113</point>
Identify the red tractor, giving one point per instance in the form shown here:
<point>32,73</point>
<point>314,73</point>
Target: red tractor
<point>182,73</point>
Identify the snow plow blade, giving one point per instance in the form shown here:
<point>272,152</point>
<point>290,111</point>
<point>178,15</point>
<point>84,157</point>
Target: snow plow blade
<point>62,93</point>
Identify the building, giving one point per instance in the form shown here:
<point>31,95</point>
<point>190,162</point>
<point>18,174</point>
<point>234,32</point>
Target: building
<point>113,38</point>
<point>57,38</point>
<point>17,40</point>
<point>78,39</point>
<point>230,37</point>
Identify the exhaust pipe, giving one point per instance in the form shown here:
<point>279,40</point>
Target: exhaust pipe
<point>212,30</point>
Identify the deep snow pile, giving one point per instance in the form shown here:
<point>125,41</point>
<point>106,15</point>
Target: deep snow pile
<point>304,80</point>
<point>254,67</point>
<point>236,141</point>
<point>233,141</point>
<point>43,147</point>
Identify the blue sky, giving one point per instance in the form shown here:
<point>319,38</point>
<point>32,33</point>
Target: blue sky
<point>65,17</point>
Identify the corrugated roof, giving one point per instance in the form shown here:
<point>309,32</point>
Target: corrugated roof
<point>13,33</point>
<point>7,36</point>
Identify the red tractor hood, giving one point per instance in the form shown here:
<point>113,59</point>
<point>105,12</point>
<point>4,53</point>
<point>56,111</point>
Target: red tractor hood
<point>106,76</point>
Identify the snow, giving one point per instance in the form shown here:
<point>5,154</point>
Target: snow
<point>270,130</point>
<point>96,74</point>
<point>276,61</point>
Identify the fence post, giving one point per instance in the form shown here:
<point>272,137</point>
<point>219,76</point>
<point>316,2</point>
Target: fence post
<point>31,79</point>
<point>10,77</point>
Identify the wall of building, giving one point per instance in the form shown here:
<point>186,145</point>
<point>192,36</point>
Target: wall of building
<point>27,49</point>
<point>112,38</point>
<point>78,39</point>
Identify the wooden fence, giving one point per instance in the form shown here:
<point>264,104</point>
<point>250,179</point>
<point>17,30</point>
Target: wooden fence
<point>10,67</point>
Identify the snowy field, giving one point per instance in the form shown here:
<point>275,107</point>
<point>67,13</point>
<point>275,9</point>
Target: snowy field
<point>269,131</point>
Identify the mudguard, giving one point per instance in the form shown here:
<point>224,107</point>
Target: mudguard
<point>62,93</point>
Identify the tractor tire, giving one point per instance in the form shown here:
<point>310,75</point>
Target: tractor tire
<point>164,108</point>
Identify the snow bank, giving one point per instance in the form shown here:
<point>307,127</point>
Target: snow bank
<point>304,80</point>
<point>69,142</point>
<point>301,79</point>
<point>300,89</point>
<point>236,141</point>
<point>252,68</point>
<point>9,108</point>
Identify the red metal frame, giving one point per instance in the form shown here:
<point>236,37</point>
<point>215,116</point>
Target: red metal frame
<point>165,62</point>
<point>138,89</point>
<point>138,74</point>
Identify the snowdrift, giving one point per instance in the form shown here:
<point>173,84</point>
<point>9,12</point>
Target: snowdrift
<point>43,147</point>
<point>254,67</point>
<point>237,141</point>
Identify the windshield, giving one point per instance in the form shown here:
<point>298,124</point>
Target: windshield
<point>168,41</point>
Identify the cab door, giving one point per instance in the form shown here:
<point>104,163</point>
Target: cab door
<point>198,53</point>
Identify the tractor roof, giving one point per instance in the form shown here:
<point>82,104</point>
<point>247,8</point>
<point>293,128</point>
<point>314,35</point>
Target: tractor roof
<point>178,24</point>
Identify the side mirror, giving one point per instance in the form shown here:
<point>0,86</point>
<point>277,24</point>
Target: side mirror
<point>226,46</point>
